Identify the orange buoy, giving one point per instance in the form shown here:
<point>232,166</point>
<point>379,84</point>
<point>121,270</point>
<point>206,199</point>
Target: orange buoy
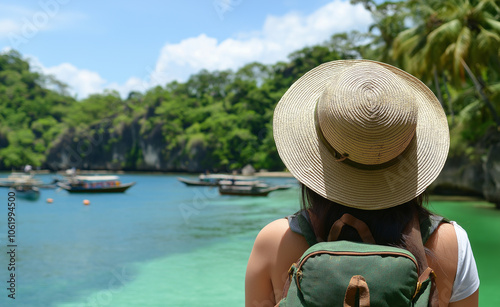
<point>49,200</point>
<point>86,202</point>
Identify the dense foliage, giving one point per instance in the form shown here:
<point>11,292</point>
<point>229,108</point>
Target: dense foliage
<point>224,118</point>
<point>31,115</point>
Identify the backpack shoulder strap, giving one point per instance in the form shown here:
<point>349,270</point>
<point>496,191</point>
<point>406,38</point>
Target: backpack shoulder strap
<point>415,244</point>
<point>429,224</point>
<point>299,223</point>
<point>360,226</point>
<point>306,230</point>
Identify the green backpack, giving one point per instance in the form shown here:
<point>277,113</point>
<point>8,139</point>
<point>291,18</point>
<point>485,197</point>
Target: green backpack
<point>345,273</point>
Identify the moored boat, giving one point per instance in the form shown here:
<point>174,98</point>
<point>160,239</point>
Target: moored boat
<point>255,188</point>
<point>19,179</point>
<point>94,184</point>
<point>244,190</point>
<point>214,179</point>
<point>26,192</point>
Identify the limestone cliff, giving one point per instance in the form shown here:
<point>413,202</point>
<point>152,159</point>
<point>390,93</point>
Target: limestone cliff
<point>478,175</point>
<point>123,148</point>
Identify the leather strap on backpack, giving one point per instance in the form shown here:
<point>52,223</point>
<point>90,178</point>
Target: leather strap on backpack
<point>357,288</point>
<point>287,282</point>
<point>360,226</point>
<point>415,245</point>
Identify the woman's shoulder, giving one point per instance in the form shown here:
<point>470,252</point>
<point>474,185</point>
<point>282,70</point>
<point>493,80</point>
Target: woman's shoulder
<point>280,245</point>
<point>272,233</point>
<point>278,235</point>
<point>443,259</point>
<point>443,245</point>
<point>278,248</point>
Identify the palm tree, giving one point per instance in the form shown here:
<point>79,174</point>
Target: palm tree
<point>389,20</point>
<point>458,36</point>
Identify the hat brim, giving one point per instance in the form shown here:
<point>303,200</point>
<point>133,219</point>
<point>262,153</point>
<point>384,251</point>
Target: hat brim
<point>312,163</point>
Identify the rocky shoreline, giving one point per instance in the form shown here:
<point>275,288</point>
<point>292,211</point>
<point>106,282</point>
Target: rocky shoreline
<point>476,177</point>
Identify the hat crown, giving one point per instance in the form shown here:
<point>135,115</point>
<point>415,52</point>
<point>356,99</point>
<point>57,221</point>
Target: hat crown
<point>368,114</point>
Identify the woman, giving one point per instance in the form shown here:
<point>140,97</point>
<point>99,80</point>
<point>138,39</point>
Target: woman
<point>367,139</point>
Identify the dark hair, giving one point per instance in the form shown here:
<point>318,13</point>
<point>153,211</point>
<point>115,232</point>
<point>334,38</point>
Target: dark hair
<point>386,225</point>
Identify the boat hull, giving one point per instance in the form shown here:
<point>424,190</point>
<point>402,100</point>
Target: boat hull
<point>115,189</point>
<point>197,183</point>
<point>213,180</point>
<point>238,193</point>
<point>229,190</point>
<point>30,193</point>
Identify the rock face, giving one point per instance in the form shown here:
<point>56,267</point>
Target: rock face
<point>479,177</point>
<point>459,177</point>
<point>122,149</point>
<point>491,186</point>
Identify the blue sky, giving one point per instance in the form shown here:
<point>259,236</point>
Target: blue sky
<point>133,45</point>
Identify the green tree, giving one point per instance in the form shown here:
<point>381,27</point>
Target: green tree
<point>31,114</point>
<point>389,20</point>
<point>450,36</point>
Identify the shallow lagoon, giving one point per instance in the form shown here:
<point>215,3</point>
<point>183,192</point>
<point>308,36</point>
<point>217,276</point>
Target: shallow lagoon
<point>164,244</point>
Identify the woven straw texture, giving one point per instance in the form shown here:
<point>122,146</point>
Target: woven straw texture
<point>362,133</point>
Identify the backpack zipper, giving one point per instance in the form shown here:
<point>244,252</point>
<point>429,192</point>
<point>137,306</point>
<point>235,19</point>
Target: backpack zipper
<point>299,267</point>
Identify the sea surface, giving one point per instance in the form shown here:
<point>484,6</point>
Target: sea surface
<point>164,244</point>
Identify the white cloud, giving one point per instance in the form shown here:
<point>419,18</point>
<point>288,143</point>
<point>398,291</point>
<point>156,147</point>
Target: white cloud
<point>10,19</point>
<point>5,50</point>
<point>81,82</point>
<point>19,24</point>
<point>279,36</point>
<point>7,26</point>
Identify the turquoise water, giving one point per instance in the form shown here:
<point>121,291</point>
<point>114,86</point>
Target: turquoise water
<point>164,244</point>
<point>482,222</point>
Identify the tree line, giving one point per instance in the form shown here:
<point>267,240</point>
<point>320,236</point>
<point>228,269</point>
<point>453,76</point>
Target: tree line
<point>453,46</point>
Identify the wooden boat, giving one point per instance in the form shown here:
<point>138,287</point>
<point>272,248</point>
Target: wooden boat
<point>26,192</point>
<point>213,179</point>
<point>255,188</point>
<point>94,184</point>
<point>19,179</point>
<point>189,182</point>
<point>244,190</point>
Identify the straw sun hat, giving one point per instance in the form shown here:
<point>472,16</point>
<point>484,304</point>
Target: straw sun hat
<point>361,133</point>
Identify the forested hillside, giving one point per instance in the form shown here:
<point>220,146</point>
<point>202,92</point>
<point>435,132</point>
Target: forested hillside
<point>221,120</point>
<point>31,114</point>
